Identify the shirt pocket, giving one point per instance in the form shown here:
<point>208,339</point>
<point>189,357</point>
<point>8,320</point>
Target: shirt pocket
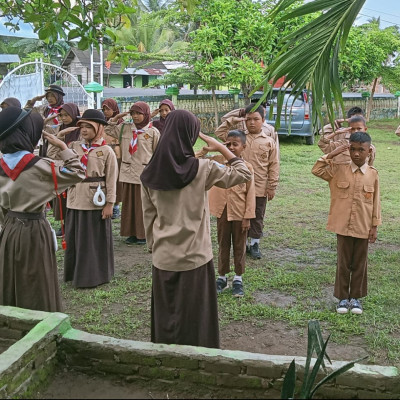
<point>343,189</point>
<point>368,193</point>
<point>263,154</point>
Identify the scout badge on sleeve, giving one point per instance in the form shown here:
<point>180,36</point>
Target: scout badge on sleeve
<point>99,198</point>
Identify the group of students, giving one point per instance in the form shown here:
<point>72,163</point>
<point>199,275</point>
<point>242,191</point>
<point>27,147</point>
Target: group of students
<point>92,162</point>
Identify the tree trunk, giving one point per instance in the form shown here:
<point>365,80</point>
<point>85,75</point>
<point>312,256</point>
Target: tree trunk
<point>371,100</point>
<point>214,97</point>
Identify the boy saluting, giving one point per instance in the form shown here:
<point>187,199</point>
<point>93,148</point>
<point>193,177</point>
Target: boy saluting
<point>355,214</point>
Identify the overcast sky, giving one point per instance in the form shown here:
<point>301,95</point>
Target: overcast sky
<point>387,10</point>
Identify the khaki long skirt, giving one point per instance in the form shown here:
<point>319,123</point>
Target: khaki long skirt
<point>28,267</point>
<point>184,308</point>
<point>89,257</point>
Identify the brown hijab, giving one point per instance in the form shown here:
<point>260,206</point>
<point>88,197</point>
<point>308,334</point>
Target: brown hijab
<point>73,111</point>
<point>160,123</point>
<point>112,105</point>
<point>142,108</point>
<point>11,102</point>
<point>50,109</point>
<point>173,165</point>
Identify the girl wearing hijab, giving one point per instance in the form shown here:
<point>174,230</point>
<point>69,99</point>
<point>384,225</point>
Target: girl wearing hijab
<point>28,268</point>
<point>164,108</point>
<point>68,132</point>
<point>10,102</point>
<point>138,143</point>
<point>110,109</point>
<point>89,257</point>
<point>176,217</point>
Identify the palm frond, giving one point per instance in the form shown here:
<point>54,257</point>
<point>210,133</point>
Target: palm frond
<point>309,56</point>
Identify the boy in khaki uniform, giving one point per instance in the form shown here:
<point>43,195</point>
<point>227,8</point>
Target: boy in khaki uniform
<point>335,139</point>
<point>262,153</point>
<point>234,208</point>
<point>355,213</point>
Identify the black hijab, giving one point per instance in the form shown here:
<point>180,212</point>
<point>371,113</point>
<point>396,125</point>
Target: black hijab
<point>25,136</point>
<point>173,165</point>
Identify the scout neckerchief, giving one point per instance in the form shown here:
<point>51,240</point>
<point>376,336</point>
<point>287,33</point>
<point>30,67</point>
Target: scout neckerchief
<point>134,140</point>
<point>86,151</point>
<point>54,110</point>
<point>14,163</point>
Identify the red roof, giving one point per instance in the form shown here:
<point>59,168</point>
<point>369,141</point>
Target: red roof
<point>154,71</point>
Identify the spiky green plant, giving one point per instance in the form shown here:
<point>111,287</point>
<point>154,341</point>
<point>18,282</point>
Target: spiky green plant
<point>315,342</point>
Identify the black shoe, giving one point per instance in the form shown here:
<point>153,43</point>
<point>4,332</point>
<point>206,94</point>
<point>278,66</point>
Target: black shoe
<point>141,241</point>
<point>131,240</point>
<point>59,233</point>
<point>237,289</point>
<point>255,252</point>
<point>222,284</point>
<point>115,213</point>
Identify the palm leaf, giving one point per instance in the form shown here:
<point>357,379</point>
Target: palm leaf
<point>309,56</point>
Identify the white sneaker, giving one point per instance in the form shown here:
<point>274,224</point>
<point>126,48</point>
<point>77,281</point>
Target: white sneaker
<point>343,307</point>
<point>355,307</point>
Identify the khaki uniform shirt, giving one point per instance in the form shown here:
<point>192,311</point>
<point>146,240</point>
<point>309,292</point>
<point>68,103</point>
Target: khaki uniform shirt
<point>101,163</point>
<point>35,186</point>
<point>328,145</point>
<point>261,152</point>
<point>133,165</point>
<point>177,222</point>
<point>398,131</point>
<point>240,200</point>
<point>355,200</point>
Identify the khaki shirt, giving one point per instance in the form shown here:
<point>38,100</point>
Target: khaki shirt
<point>101,163</point>
<point>35,186</point>
<point>177,222</point>
<point>355,200</point>
<point>328,145</point>
<point>261,152</point>
<point>240,200</point>
<point>398,131</point>
<point>133,165</point>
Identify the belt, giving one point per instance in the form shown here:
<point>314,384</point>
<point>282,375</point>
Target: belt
<point>95,179</point>
<point>24,215</point>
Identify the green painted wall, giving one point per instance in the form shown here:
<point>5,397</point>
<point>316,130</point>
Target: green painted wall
<point>116,81</point>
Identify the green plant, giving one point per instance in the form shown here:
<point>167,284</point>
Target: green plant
<point>315,342</point>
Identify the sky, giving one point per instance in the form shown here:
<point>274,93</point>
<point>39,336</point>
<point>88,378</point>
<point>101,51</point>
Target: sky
<point>387,10</point>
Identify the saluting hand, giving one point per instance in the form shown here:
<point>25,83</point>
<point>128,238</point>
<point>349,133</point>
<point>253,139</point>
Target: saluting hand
<point>342,148</point>
<point>118,116</point>
<point>154,113</point>
<point>55,141</point>
<point>63,132</point>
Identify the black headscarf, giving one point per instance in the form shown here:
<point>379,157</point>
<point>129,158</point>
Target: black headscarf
<point>25,136</point>
<point>173,165</point>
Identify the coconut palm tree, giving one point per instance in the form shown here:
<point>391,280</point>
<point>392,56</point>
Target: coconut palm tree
<point>309,55</point>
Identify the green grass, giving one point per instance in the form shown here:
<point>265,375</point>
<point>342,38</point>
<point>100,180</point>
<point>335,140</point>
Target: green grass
<point>299,261</point>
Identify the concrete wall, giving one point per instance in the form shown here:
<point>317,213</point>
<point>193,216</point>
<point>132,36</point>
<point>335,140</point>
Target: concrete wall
<point>48,341</point>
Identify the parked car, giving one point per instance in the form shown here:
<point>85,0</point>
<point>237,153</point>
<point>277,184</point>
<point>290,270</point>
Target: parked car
<point>295,117</point>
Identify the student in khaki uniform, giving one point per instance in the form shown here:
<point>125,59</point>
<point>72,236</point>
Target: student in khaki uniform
<point>28,266</point>
<point>176,215</point>
<point>335,139</point>
<point>234,208</point>
<point>262,153</point>
<point>355,214</point>
<point>329,129</point>
<point>164,108</point>
<point>138,141</point>
<point>110,110</point>
<point>89,257</point>
<point>68,132</point>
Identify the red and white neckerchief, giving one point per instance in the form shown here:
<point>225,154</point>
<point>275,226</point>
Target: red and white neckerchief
<point>86,151</point>
<point>54,110</point>
<point>14,173</point>
<point>134,140</point>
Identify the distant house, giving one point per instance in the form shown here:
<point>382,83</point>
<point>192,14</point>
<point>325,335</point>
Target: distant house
<point>6,60</point>
<point>138,74</point>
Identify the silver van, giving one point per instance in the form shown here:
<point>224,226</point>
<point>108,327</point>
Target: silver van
<point>295,116</point>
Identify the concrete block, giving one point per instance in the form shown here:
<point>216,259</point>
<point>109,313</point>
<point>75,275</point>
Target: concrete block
<point>180,362</point>
<point>158,373</point>
<point>267,370</point>
<point>115,368</point>
<point>223,367</point>
<point>241,381</point>
<point>8,333</point>
<point>130,357</point>
<point>199,377</point>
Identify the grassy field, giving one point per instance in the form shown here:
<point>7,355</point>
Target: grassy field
<point>298,264</point>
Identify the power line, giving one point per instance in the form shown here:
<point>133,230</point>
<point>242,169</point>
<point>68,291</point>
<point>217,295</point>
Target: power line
<point>381,12</point>
<point>383,20</point>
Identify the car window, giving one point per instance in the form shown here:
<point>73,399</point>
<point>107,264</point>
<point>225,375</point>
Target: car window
<point>288,101</point>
